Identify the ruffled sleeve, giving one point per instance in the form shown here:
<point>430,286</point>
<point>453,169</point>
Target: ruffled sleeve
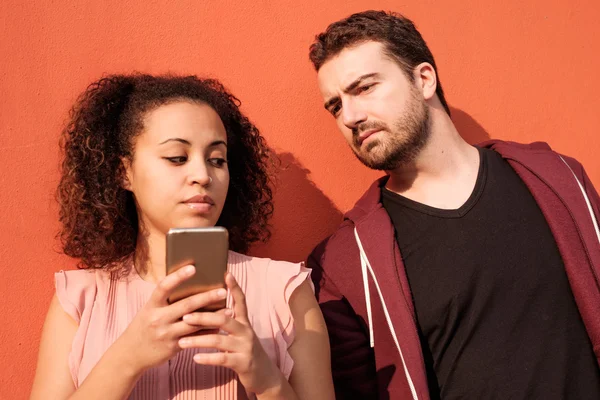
<point>73,288</point>
<point>283,279</point>
<point>76,293</point>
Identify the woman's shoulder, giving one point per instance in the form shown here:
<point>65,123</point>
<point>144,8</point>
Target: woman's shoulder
<point>261,262</point>
<point>82,279</point>
<point>273,278</point>
<point>81,275</point>
<point>78,289</point>
<point>266,272</point>
<point>75,289</point>
<point>79,279</point>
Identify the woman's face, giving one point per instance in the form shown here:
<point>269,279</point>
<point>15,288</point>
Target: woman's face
<point>179,175</point>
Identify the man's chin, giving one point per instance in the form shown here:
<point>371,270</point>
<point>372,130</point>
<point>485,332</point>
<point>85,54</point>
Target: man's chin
<point>371,155</point>
<point>385,157</point>
<point>376,163</point>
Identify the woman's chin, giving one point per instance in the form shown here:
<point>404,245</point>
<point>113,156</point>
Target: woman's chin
<point>196,222</point>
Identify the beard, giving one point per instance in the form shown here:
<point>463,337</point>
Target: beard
<point>397,146</point>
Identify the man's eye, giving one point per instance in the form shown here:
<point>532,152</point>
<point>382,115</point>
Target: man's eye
<point>218,162</point>
<point>366,87</point>
<point>176,160</point>
<point>335,109</point>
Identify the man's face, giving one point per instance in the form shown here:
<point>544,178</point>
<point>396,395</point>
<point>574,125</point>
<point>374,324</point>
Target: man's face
<point>379,110</point>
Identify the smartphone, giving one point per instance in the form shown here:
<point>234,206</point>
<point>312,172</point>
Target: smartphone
<point>206,249</point>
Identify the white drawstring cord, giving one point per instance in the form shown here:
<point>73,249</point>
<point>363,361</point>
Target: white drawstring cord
<point>587,200</point>
<point>366,265</point>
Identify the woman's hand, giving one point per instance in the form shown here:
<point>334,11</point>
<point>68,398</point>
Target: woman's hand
<point>239,349</point>
<point>153,336</point>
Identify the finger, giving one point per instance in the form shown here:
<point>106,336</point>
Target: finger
<point>218,342</point>
<point>204,331</point>
<point>236,328</point>
<point>208,319</point>
<point>229,360</point>
<point>221,319</point>
<point>164,288</point>
<point>239,299</point>
<point>181,329</point>
<point>192,303</point>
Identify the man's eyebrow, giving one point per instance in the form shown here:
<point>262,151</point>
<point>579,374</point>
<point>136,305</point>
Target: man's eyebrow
<point>350,88</point>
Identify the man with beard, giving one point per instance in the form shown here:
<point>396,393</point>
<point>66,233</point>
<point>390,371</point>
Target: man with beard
<point>467,271</point>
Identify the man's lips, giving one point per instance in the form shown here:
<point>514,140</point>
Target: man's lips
<point>363,136</point>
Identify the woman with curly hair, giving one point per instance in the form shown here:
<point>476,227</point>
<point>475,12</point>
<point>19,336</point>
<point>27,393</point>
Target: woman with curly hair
<point>143,154</point>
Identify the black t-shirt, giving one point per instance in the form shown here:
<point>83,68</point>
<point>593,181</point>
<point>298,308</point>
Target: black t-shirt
<point>495,312</point>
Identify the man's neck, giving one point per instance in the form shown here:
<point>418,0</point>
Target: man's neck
<point>444,173</point>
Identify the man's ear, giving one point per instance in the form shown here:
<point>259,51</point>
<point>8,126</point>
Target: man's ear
<point>127,175</point>
<point>426,79</point>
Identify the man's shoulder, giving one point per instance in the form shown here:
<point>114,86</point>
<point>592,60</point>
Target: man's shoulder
<point>335,244</point>
<point>535,155</point>
<point>509,147</point>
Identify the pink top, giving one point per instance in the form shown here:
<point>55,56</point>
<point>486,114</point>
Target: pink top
<point>103,309</point>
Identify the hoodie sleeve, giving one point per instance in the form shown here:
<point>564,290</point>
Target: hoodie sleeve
<point>352,359</point>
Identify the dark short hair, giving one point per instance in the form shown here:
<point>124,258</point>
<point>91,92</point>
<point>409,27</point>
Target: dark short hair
<point>99,218</point>
<point>402,41</point>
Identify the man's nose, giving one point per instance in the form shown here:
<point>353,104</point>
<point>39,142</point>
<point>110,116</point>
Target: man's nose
<point>352,115</point>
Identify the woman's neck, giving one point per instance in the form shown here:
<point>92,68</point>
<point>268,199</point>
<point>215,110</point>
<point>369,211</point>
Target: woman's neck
<point>150,256</point>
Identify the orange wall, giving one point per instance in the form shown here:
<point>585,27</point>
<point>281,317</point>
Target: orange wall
<point>514,70</point>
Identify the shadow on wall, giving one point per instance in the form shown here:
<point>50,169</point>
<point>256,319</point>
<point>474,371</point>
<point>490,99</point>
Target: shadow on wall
<point>303,215</point>
<point>468,128</point>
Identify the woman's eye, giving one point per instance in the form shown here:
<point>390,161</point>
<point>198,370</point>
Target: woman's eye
<point>217,162</point>
<point>176,160</point>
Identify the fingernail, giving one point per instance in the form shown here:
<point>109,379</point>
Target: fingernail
<point>228,312</point>
<point>221,292</point>
<point>187,317</point>
<point>189,270</point>
<point>184,342</point>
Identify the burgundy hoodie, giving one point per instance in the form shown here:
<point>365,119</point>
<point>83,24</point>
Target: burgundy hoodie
<point>364,293</point>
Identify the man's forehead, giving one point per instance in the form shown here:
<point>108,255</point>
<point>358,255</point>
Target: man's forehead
<point>349,65</point>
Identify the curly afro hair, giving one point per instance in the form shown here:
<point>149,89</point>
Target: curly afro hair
<point>99,218</point>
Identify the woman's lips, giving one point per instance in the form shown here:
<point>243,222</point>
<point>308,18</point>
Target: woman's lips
<point>200,207</point>
<point>200,203</point>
